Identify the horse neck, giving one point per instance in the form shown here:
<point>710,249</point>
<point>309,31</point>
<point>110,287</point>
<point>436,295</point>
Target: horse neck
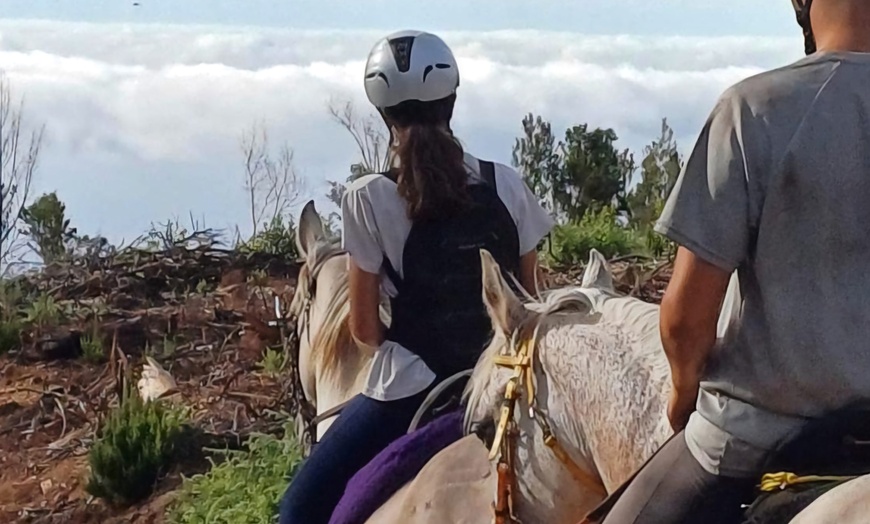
<point>607,388</point>
<point>547,491</point>
<point>339,364</point>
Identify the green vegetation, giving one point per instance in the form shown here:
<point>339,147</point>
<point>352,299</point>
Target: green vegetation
<point>244,488</point>
<point>10,335</point>
<point>585,181</point>
<point>43,312</point>
<point>273,361</point>
<point>48,227</point>
<point>10,321</point>
<point>276,238</point>
<point>92,349</point>
<point>135,445</point>
<point>169,346</point>
<point>600,230</point>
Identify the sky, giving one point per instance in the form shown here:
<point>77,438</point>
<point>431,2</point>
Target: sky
<point>144,106</point>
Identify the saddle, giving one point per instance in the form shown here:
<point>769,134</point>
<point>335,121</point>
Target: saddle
<point>828,452</point>
<point>444,398</point>
<point>437,424</point>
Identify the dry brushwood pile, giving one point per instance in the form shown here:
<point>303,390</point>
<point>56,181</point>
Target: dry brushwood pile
<point>638,276</point>
<point>190,307</point>
<point>186,307</point>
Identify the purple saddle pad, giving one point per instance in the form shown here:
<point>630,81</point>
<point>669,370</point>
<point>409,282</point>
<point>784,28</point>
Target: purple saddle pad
<point>396,465</point>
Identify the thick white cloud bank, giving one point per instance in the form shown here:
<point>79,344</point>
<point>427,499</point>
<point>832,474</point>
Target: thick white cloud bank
<point>143,121</point>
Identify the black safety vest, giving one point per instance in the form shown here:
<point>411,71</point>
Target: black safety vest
<point>438,312</point>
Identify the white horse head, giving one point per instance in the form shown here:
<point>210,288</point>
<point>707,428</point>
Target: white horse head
<point>332,368</point>
<point>594,386</point>
<point>602,385</point>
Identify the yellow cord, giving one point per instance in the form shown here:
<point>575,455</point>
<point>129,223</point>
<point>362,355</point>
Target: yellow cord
<point>783,479</point>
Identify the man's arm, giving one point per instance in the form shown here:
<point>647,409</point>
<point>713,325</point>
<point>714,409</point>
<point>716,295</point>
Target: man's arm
<point>689,317</point>
<point>530,272</point>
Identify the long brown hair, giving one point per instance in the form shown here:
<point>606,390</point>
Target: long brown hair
<point>432,176</point>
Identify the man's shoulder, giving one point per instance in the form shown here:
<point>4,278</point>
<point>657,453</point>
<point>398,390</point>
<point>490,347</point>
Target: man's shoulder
<point>769,90</point>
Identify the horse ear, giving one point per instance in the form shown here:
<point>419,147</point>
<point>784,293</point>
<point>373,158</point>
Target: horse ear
<point>597,273</point>
<point>310,229</point>
<point>503,306</point>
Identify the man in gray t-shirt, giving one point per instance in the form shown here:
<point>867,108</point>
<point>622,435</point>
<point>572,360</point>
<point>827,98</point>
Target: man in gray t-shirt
<point>778,189</point>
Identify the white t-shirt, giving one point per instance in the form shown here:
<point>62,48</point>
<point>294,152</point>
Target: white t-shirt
<point>375,223</point>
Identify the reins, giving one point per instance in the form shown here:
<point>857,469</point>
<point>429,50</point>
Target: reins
<point>522,361</point>
<point>300,322</point>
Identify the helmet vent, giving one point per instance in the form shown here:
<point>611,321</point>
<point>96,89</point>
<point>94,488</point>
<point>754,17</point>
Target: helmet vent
<point>378,74</point>
<point>402,52</point>
<point>429,69</point>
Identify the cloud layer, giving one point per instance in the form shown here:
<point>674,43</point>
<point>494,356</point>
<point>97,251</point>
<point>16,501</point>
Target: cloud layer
<point>144,121</point>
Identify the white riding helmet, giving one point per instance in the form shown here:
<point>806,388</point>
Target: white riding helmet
<point>410,65</point>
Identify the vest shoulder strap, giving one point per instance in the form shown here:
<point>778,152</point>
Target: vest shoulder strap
<point>392,174</point>
<point>487,172</point>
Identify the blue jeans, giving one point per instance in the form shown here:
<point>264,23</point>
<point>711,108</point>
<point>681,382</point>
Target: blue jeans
<point>365,428</point>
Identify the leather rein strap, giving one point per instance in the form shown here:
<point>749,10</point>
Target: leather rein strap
<point>307,409</point>
<point>504,443</point>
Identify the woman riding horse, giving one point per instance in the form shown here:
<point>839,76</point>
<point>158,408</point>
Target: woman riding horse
<point>416,233</point>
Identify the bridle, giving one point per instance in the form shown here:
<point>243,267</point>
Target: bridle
<point>300,322</point>
<point>522,361</point>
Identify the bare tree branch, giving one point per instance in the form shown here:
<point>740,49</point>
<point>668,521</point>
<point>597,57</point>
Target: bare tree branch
<point>18,161</point>
<point>254,148</point>
<point>369,134</point>
<point>272,184</point>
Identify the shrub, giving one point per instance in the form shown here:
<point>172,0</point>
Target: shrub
<point>48,227</point>
<point>273,362</point>
<point>245,488</point>
<point>600,230</point>
<point>92,348</point>
<point>11,297</point>
<point>10,323</point>
<point>134,447</point>
<point>277,238</point>
<point>658,245</point>
<point>10,335</point>
<point>43,312</point>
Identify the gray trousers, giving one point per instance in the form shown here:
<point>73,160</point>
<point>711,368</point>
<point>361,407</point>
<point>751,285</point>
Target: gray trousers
<point>674,489</point>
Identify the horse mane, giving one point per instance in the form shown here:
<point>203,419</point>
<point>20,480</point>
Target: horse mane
<point>333,339</point>
<point>564,301</point>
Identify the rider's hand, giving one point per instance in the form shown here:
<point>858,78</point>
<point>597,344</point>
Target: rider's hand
<point>681,405</point>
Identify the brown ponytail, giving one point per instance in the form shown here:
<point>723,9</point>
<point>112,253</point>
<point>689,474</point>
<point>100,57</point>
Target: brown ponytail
<point>432,176</point>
